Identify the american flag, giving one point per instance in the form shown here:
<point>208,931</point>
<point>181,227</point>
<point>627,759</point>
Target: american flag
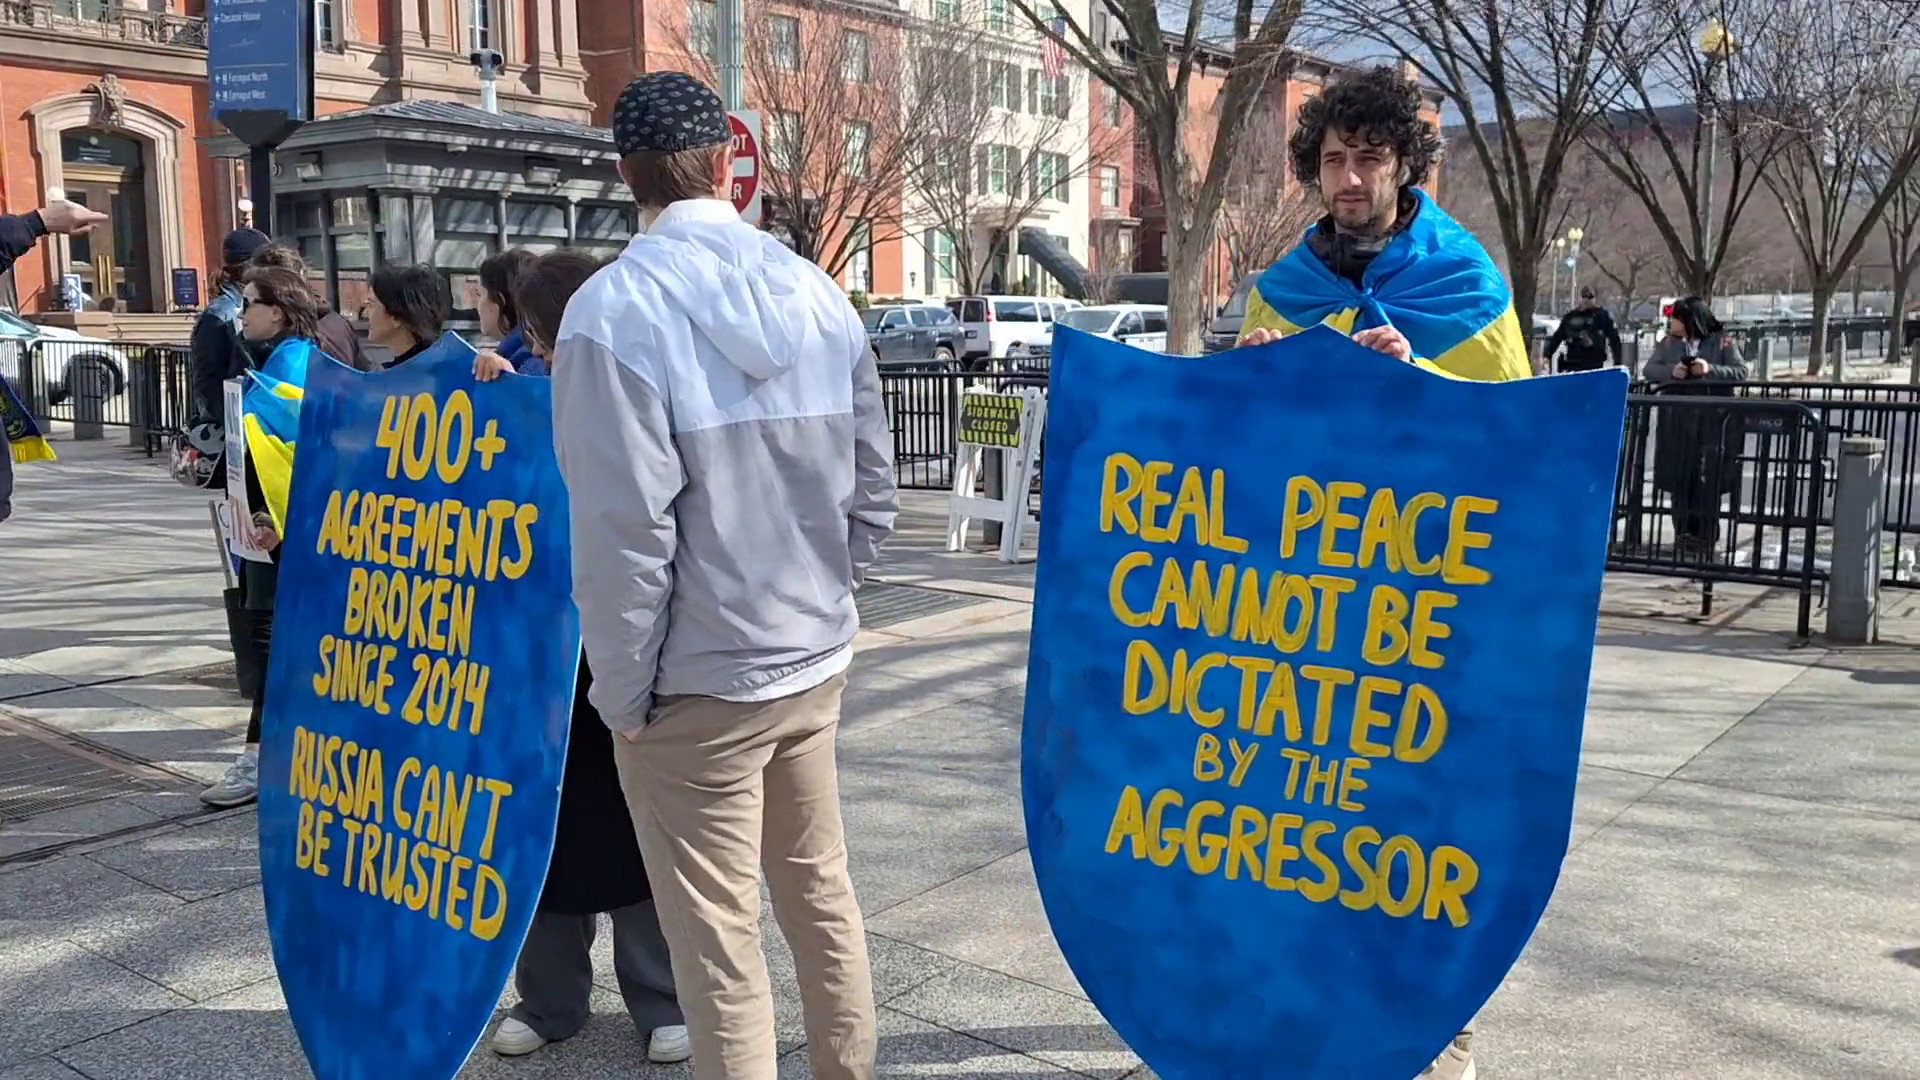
<point>1053,57</point>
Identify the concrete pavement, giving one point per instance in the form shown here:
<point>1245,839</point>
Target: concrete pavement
<point>1741,899</point>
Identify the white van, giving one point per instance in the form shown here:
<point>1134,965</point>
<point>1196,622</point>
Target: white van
<point>1141,325</point>
<point>996,325</point>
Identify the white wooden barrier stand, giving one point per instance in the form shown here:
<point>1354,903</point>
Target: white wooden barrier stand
<point>1012,424</point>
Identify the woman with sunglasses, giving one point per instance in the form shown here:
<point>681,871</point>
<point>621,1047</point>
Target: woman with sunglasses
<point>279,319</point>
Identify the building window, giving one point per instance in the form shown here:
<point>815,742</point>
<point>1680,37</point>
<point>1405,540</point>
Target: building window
<point>860,266</point>
<point>480,33</point>
<point>466,229</point>
<point>537,226</point>
<point>783,150</point>
<point>95,10</point>
<point>703,23</point>
<point>997,18</point>
<point>1110,185</point>
<point>785,42</point>
<point>1050,176</point>
<point>853,56</point>
<point>1050,95</point>
<point>859,137</point>
<point>1003,86</point>
<point>1003,170</point>
<point>327,31</point>
<point>946,10</point>
<point>603,230</point>
<point>1115,108</point>
<point>942,269</point>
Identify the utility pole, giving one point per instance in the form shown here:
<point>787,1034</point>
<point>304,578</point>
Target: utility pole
<point>732,35</point>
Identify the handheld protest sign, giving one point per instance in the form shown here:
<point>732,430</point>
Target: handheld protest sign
<point>1311,643</point>
<point>419,694</point>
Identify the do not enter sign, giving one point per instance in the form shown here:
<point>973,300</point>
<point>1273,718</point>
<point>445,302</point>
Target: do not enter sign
<point>746,164</point>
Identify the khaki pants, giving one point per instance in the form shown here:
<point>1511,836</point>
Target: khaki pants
<point>720,790</point>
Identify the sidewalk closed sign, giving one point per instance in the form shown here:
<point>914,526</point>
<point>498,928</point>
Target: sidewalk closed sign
<point>1311,642</point>
<point>421,681</point>
<point>990,420</point>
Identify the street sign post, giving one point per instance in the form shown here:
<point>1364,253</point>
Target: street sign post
<point>260,81</point>
<point>745,126</point>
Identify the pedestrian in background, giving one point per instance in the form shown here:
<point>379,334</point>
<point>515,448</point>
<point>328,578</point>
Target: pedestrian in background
<point>280,314</point>
<point>718,419</point>
<point>1696,451</point>
<point>408,310</point>
<point>596,865</point>
<point>217,349</point>
<point>1588,334</point>
<point>500,318</point>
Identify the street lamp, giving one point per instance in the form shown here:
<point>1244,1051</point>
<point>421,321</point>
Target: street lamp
<point>1553,290</point>
<point>1716,45</point>
<point>1574,236</point>
<point>245,207</point>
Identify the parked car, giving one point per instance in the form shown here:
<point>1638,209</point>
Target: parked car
<point>1224,330</point>
<point>64,361</point>
<point>1142,325</point>
<point>997,325</point>
<point>901,333</point>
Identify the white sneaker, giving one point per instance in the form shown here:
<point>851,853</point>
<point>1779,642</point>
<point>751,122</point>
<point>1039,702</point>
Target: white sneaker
<point>515,1039</point>
<point>669,1044</point>
<point>240,784</point>
<point>1454,1063</point>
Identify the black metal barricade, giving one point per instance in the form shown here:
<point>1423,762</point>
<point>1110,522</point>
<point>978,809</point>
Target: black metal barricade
<point>1719,489</point>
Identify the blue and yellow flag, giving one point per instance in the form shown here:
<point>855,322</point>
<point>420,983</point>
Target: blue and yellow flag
<point>271,401</point>
<point>1433,282</point>
<point>24,438</point>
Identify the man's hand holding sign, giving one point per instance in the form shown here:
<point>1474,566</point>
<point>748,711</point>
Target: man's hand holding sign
<point>1309,667</point>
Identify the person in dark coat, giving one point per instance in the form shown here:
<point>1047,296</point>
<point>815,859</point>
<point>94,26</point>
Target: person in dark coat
<point>596,865</point>
<point>1588,334</point>
<point>1696,454</point>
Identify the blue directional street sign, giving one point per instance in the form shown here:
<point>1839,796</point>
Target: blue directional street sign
<point>260,67</point>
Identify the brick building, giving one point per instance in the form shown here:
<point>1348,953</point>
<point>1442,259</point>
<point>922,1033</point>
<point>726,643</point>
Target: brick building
<point>108,105</point>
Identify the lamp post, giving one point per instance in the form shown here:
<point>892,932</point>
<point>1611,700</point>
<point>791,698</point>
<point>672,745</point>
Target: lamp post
<point>1559,246</point>
<point>245,208</point>
<point>1574,236</point>
<point>1716,44</point>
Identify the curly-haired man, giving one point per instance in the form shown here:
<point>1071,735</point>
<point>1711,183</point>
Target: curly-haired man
<point>1386,265</point>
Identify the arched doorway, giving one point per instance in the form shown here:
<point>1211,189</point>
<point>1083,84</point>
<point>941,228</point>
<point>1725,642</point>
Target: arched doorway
<point>107,172</point>
<point>107,146</point>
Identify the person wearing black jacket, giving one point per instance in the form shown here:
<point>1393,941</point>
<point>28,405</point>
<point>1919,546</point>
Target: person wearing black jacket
<point>218,350</point>
<point>409,308</point>
<point>18,234</point>
<point>1589,335</point>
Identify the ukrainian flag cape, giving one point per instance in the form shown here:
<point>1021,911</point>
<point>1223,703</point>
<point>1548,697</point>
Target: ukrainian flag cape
<point>1433,282</point>
<point>270,404</point>
<point>24,439</point>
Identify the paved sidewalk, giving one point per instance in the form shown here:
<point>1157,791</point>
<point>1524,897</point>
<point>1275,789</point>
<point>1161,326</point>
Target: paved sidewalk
<point>1741,901</point>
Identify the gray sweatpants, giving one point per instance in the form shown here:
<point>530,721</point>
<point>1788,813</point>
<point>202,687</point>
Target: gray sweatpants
<point>555,973</point>
<point>6,477</point>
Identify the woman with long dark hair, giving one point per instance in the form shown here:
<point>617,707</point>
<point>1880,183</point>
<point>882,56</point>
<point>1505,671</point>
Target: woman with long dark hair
<point>1696,455</point>
<point>279,319</point>
<point>596,865</point>
<point>500,319</point>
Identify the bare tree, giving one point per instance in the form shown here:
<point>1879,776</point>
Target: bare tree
<point>1106,262</point>
<point>837,129</point>
<point>1620,243</point>
<point>1849,137</point>
<point>991,143</point>
<point>1901,226</point>
<point>1527,78</point>
<point>1265,211</point>
<point>1686,133</point>
<point>1153,70</point>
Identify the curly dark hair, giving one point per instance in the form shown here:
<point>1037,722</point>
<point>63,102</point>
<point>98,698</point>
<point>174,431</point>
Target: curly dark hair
<point>1380,106</point>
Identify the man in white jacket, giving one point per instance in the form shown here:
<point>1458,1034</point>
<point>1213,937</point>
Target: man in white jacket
<point>718,419</point>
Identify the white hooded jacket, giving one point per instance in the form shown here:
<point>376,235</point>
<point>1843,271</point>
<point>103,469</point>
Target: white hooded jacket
<point>718,420</point>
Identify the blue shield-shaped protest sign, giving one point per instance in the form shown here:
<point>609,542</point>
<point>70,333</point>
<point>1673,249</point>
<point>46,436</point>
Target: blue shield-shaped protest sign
<point>417,710</point>
<point>1309,667</point>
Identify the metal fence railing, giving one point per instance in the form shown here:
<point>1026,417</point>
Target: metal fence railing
<point>1729,489</point>
<point>144,390</point>
<point>923,412</point>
